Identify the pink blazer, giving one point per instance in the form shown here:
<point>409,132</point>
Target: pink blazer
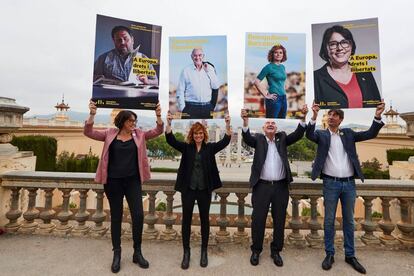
<point>108,135</point>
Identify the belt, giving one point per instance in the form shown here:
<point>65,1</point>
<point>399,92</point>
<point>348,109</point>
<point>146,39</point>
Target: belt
<point>197,103</point>
<point>272,182</point>
<point>342,179</point>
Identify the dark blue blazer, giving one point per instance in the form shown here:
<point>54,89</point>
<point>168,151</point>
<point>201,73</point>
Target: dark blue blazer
<point>348,137</point>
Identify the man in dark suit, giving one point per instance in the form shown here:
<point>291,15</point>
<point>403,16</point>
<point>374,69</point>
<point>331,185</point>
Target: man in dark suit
<point>270,178</point>
<point>337,164</point>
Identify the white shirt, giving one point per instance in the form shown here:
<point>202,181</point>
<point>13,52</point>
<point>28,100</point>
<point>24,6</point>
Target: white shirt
<point>196,85</point>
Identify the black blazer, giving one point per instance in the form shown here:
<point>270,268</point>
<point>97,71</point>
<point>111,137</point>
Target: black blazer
<point>348,138</point>
<point>327,90</point>
<point>188,151</point>
<point>259,143</point>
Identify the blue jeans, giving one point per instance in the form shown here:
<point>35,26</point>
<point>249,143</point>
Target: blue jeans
<point>345,191</point>
<point>276,108</point>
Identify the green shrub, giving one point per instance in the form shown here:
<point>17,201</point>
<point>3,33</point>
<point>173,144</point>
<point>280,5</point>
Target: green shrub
<point>376,214</point>
<point>164,170</point>
<point>70,163</point>
<point>399,155</point>
<point>306,212</point>
<point>43,147</point>
<point>294,174</point>
<point>161,207</point>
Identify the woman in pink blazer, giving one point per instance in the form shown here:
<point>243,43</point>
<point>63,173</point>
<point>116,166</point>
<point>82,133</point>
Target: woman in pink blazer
<point>123,168</point>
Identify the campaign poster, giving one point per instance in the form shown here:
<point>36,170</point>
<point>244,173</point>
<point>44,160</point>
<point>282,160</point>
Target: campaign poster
<point>346,64</point>
<point>126,68</point>
<point>275,75</point>
<point>198,77</point>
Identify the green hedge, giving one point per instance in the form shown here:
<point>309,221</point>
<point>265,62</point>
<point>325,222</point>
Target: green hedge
<point>43,147</point>
<point>164,170</point>
<point>399,155</point>
<point>70,163</point>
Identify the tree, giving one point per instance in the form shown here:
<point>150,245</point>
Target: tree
<point>302,150</point>
<point>158,147</point>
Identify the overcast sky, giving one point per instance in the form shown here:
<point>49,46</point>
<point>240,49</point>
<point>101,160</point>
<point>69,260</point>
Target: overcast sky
<point>47,47</point>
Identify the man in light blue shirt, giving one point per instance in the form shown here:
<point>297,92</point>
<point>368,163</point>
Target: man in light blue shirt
<point>196,85</point>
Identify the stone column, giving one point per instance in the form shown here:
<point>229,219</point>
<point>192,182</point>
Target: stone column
<point>240,235</point>
<point>99,216</point>
<point>367,224</point>
<point>82,215</point>
<point>64,215</point>
<point>223,235</point>
<point>314,239</point>
<point>295,237</point>
<point>14,213</point>
<point>29,225</point>
<point>151,233</point>
<point>47,214</point>
<point>406,225</point>
<point>169,233</point>
<point>386,224</point>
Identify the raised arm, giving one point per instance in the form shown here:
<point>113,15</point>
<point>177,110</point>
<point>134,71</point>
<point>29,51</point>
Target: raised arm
<point>157,131</point>
<point>170,138</point>
<point>300,130</point>
<point>310,130</point>
<point>218,146</point>
<point>376,126</point>
<point>88,129</point>
<point>247,137</point>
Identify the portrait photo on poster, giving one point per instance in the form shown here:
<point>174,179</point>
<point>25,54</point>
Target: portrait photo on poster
<point>198,77</point>
<point>126,64</point>
<point>275,75</point>
<point>346,62</point>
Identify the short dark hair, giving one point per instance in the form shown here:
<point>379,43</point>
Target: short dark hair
<point>122,117</point>
<point>338,112</point>
<point>323,52</point>
<point>120,28</point>
<point>270,55</point>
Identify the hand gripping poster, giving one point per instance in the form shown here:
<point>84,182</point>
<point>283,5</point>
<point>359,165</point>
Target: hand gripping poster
<point>126,64</point>
<point>346,61</point>
<point>275,75</point>
<point>198,77</point>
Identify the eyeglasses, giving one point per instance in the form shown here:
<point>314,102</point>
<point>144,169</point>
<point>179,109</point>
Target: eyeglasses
<point>132,121</point>
<point>333,45</point>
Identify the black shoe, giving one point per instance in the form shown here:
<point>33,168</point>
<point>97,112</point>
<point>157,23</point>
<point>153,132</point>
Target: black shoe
<point>116,261</point>
<point>254,259</point>
<point>277,259</point>
<point>185,264</point>
<point>137,258</point>
<point>327,262</point>
<point>355,264</point>
<point>203,258</point>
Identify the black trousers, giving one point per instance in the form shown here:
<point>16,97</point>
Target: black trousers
<point>193,111</point>
<point>115,190</point>
<point>263,195</point>
<point>188,199</point>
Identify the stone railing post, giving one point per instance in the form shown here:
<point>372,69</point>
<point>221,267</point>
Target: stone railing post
<point>406,225</point>
<point>82,215</point>
<point>30,225</point>
<point>295,237</point>
<point>14,213</point>
<point>367,224</point>
<point>99,216</point>
<point>169,233</point>
<point>223,235</point>
<point>64,215</point>
<point>47,214</point>
<point>386,225</point>
<point>240,235</point>
<point>151,233</point>
<point>314,239</point>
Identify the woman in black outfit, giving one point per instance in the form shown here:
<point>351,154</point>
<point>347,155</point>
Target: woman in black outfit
<point>197,177</point>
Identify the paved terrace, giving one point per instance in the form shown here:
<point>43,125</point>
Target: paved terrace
<point>48,255</point>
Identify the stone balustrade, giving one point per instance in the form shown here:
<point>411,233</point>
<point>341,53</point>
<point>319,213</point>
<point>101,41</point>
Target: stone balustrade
<point>81,221</point>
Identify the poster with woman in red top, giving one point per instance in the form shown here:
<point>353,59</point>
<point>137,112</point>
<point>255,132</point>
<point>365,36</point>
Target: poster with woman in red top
<point>346,59</point>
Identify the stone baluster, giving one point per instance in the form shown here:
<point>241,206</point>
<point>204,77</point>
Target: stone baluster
<point>314,239</point>
<point>47,214</point>
<point>240,235</point>
<point>30,225</point>
<point>295,237</point>
<point>151,232</point>
<point>169,233</point>
<point>14,213</point>
<point>65,214</point>
<point>99,216</point>
<point>82,215</point>
<point>406,225</point>
<point>367,224</point>
<point>223,235</point>
<point>386,224</point>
